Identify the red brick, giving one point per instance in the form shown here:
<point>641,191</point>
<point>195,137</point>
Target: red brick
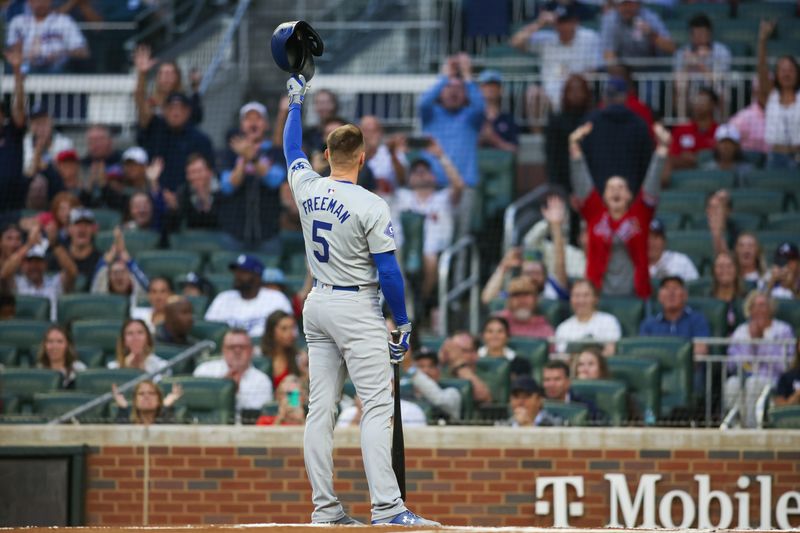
<point>419,452</point>
<point>186,496</point>
<point>202,462</point>
<point>187,450</point>
<point>453,474</point>
<point>552,453</point>
<point>236,462</point>
<point>485,452</point>
<point>119,450</point>
<point>486,498</point>
<point>234,485</point>
<point>117,497</point>
<point>470,464</point>
<point>587,454</point>
<point>219,450</point>
<point>679,466</point>
<point>251,474</point>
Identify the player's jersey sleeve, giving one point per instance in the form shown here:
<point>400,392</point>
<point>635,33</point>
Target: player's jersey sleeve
<point>378,229</point>
<point>300,171</point>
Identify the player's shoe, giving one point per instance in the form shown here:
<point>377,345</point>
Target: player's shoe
<point>407,518</point>
<point>346,520</point>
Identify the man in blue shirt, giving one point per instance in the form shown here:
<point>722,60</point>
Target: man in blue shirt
<point>676,319</point>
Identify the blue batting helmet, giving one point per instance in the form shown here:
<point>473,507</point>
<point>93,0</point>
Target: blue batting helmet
<point>294,45</point>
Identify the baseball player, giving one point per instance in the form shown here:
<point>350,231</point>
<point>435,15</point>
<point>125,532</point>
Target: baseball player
<point>350,247</point>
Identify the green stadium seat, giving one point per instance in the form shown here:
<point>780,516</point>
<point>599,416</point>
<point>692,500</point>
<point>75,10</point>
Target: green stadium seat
<point>782,222</point>
<point>102,333</point>
<point>573,414</point>
<point>99,380</point>
<point>671,221</point>
<point>107,219</point>
<point>629,311</point>
<point>25,382</point>
<point>220,261</point>
<point>204,242</point>
<point>413,225</point>
<point>743,221</point>
<point>788,311</point>
<point>295,264</point>
<point>699,287</point>
<point>199,305</point>
<point>694,243</point>
<point>8,356</point>
<point>784,47</point>
<point>53,404</point>
<point>208,330</point>
<point>494,371</point>
<point>497,304</point>
<point>432,342</point>
<point>270,409</point>
<point>498,51</point>
<point>782,11</point>
<point>555,311</point>
<point>169,263</point>
<point>293,284</point>
<point>204,400</point>
<point>773,179</point>
<point>674,356</point>
<point>610,396</point>
<point>715,312</point>
<point>496,169</point>
<point>785,417</point>
<point>9,404</point>
<point>221,281</point>
<point>464,386</point>
<point>757,201</point>
<point>33,307</point>
<point>91,356</point>
<point>136,241</point>
<point>770,240</point>
<point>73,307</point>
<point>169,351</point>
<point>22,334</point>
<point>535,351</point>
<point>714,11</point>
<point>263,363</point>
<point>683,202</point>
<point>643,379</point>
<point>706,181</point>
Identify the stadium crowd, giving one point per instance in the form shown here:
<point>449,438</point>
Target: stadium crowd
<point>105,236</point>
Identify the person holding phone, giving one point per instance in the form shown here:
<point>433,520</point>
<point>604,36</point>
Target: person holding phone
<point>291,398</point>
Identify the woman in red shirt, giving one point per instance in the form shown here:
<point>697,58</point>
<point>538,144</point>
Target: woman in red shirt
<point>279,345</point>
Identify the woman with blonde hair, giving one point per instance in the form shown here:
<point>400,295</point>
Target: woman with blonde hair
<point>728,286</point>
<point>150,406</point>
<point>57,352</point>
<point>135,349</point>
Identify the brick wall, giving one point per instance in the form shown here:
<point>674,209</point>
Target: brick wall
<point>245,475</point>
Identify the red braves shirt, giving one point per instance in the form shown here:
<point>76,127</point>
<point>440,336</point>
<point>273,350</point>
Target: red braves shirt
<point>690,138</point>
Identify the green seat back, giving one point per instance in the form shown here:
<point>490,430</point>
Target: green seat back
<point>757,201</point>
<point>33,307</point>
<point>770,240</point>
<point>208,330</point>
<point>555,311</point>
<point>788,311</point>
<point>199,305</point>
<point>99,380</point>
<point>464,387</point>
<point>496,169</point>
<point>107,219</point>
<point>629,311</point>
<point>53,404</point>
<point>785,417</point>
<point>10,404</point>
<point>25,382</point>
<point>221,281</point>
<point>22,334</point>
<point>715,311</point>
<point>773,179</point>
<point>292,241</point>
<point>204,242</point>
<point>610,396</point>
<point>220,261</point>
<point>535,351</point>
<point>743,221</point>
<point>413,238</point>
<point>643,379</point>
<point>432,342</point>
<point>169,263</point>
<point>694,243</point>
<point>573,414</point>
<point>8,356</point>
<point>783,221</point>
<point>702,180</point>
<point>683,202</point>
<point>263,363</point>
<point>204,400</point>
<point>91,356</point>
<point>100,333</point>
<point>672,221</point>
<point>674,356</point>
<point>294,264</point>
<point>169,351</point>
<point>699,287</point>
<point>92,306</point>
<point>136,241</point>
<point>494,371</point>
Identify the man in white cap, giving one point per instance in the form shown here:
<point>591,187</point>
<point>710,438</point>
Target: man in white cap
<point>728,154</point>
<point>134,167</point>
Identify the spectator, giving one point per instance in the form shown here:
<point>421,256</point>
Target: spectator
<point>749,257</point>
<point>575,105</point>
<point>326,107</point>
<point>57,352</point>
<point>291,398</point>
<point>279,345</point>
<point>64,172</point>
<point>42,143</point>
<point>556,383</point>
<point>12,134</point>
<point>727,286</point>
<point>248,304</point>
<point>620,142</point>
<point>197,203</point>
<point>782,109</point>
<point>140,214</point>
<point>274,278</point>
<point>250,185</point>
<point>11,240</point>
<point>100,153</point>
<point>159,289</point>
<point>57,219</point>
<point>193,284</point>
<point>618,223</point>
<point>459,355</point>
<point>8,306</point>
<point>632,101</point>
<point>787,392</point>
<point>784,279</point>
<point>172,137</point>
<point>495,335</point>
<point>759,309</point>
<point>168,80</point>
<point>728,154</point>
<point>499,130</point>
<point>49,40</point>
<point>527,405</point>
<point>676,319</point>
<point>178,322</point>
<point>118,273</point>
<point>563,259</point>
<point>410,413</point>
<point>570,49</point>
<point>724,229</point>
<point>149,404</point>
<point>385,157</point>
<point>425,375</point>
<point>696,135</point>
<point>134,168</point>
<point>135,349</point>
<point>32,279</point>
<point>590,363</point>
<point>520,311</point>
<point>452,113</point>
<point>663,262</point>
<point>436,206</point>
<point>546,286</point>
<point>587,322</point>
<point>320,163</point>
<point>253,387</point>
<point>629,31</point>
<point>750,122</point>
<point>80,246</point>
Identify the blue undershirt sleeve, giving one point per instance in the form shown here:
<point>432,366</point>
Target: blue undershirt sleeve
<point>293,135</point>
<point>392,286</point>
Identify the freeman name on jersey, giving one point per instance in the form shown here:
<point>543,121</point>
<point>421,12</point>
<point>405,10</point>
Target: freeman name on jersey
<point>324,203</point>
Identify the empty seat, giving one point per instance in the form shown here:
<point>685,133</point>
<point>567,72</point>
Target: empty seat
<point>694,243</point>
<point>221,281</point>
<point>494,371</point>
<point>220,261</point>
<point>782,222</point>
<point>770,240</point>
<point>199,304</point>
<point>684,202</point>
<point>168,263</point>
<point>535,351</point>
<point>699,287</point>
<point>204,400</point>
<point>785,417</point>
<point>608,395</point>
<point>107,219</point>
<point>788,311</point>
<point>464,387</point>
<point>432,342</point>
<point>715,311</point>
<point>92,306</point>
<point>496,168</point>
<point>101,334</point>
<point>743,221</point>
<point>643,379</point>
<point>99,380</point>
<point>55,404</point>
<point>33,307</point>
<point>8,356</point>
<point>672,221</point>
<point>25,382</point>
<point>706,181</point>
<point>22,334</point>
<point>136,241</point>
<point>9,403</point>
<point>204,242</point>
<point>208,330</point>
<point>757,201</point>
<point>629,311</point>
<point>295,264</point>
<point>91,356</point>
<point>573,414</point>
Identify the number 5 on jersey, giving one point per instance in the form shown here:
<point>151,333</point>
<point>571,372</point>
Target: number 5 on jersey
<point>316,227</point>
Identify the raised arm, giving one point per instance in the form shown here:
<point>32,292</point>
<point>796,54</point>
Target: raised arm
<point>651,186</point>
<point>555,213</point>
<point>293,131</point>
<point>579,175</point>
<point>521,39</point>
<point>14,58</point>
<point>764,83</point>
<point>428,99</point>
<point>454,179</point>
<point>143,62</point>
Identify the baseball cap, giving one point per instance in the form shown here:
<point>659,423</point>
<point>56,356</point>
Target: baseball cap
<point>80,214</point>
<point>66,155</point>
<point>273,276</point>
<point>729,132</point>
<point>426,353</point>
<point>248,263</point>
<point>657,227</point>
<point>258,107</point>
<point>490,76</point>
<point>616,86</point>
<point>38,110</point>
<point>667,279</point>
<point>786,252</point>
<point>562,11</point>
<point>39,251</point>
<point>521,285</point>
<point>136,154</point>
<point>527,385</point>
<point>177,96</point>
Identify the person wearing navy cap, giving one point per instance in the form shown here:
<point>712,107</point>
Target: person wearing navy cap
<point>248,304</point>
<point>527,405</point>
<point>663,262</point>
<point>499,129</point>
<point>785,274</point>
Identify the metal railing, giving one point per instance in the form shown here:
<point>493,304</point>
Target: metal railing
<point>191,352</point>
<point>470,284</point>
<point>227,40</point>
<point>520,216</point>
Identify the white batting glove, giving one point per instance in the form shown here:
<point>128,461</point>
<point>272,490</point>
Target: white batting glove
<point>398,346</point>
<point>296,87</point>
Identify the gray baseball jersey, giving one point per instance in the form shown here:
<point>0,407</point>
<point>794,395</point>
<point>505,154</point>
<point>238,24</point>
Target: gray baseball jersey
<point>342,225</point>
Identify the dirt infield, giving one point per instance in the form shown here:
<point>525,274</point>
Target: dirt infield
<point>308,528</point>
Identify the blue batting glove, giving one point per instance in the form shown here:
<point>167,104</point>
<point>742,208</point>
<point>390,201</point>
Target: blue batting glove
<point>296,87</point>
<point>398,346</point>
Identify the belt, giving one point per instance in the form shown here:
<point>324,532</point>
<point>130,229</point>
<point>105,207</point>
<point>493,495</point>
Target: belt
<point>348,288</point>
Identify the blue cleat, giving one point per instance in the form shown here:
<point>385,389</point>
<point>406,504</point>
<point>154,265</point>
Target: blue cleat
<point>407,518</point>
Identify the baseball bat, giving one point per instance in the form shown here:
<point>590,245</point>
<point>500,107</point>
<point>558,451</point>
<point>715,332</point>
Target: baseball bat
<point>398,443</point>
